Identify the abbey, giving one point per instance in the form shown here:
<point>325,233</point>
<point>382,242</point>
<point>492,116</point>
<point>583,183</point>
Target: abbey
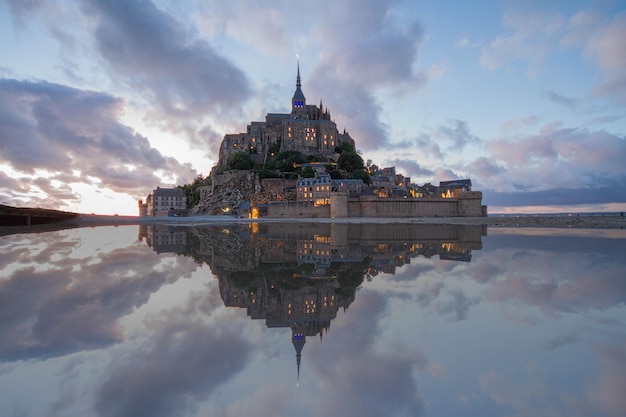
<point>307,129</point>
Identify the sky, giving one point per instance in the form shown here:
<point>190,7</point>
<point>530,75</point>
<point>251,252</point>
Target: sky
<point>103,101</point>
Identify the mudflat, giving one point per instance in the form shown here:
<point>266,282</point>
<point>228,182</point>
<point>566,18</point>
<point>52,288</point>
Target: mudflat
<point>570,221</point>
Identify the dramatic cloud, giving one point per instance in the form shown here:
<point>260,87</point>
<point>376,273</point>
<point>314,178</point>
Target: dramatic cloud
<point>373,382</point>
<point>570,280</point>
<point>556,164</point>
<point>154,53</point>
<point>182,363</point>
<point>75,135</point>
<point>51,307</point>
<point>370,53</point>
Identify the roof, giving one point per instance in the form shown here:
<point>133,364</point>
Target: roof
<point>456,183</point>
<point>169,192</point>
<point>298,94</point>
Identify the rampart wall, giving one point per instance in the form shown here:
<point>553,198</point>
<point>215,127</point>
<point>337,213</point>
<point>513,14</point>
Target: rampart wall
<point>295,209</point>
<point>467,204</point>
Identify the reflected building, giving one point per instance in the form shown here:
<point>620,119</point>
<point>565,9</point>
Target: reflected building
<point>298,276</point>
<point>163,239</point>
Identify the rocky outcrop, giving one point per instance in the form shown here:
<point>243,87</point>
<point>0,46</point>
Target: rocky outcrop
<point>232,188</point>
<point>227,193</point>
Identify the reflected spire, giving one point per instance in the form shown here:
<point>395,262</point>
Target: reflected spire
<point>298,339</point>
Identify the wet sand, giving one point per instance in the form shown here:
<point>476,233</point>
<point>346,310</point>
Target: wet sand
<point>527,222</point>
<point>573,221</point>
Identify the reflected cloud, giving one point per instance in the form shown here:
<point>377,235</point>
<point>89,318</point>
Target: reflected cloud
<point>271,317</point>
<point>52,305</point>
<point>181,364</point>
<point>568,274</point>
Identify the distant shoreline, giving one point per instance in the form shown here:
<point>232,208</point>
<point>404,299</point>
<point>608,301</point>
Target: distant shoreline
<point>569,221</point>
<point>66,220</point>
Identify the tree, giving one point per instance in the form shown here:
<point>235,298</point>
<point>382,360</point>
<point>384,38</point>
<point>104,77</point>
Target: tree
<point>241,160</point>
<point>191,190</point>
<point>286,159</point>
<point>361,174</point>
<point>350,161</point>
<point>307,172</point>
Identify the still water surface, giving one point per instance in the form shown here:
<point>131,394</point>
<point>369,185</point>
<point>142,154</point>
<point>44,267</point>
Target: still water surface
<point>310,320</point>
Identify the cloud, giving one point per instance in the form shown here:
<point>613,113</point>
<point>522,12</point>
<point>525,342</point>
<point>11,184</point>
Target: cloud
<point>457,133</point>
<point>371,53</point>
<point>561,100</point>
<point>75,135</point>
<point>50,308</point>
<point>373,382</point>
<point>458,305</point>
<point>411,168</point>
<point>573,284</point>
<point>239,19</point>
<point>531,39</point>
<point>354,106</point>
<point>557,197</point>
<point>182,363</point>
<point>534,36</point>
<point>558,159</point>
<point>515,124</point>
<point>154,53</point>
<point>607,49</point>
<point>462,42</point>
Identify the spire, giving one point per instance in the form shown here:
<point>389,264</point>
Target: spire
<point>298,339</point>
<point>298,77</point>
<point>298,100</point>
<point>298,358</point>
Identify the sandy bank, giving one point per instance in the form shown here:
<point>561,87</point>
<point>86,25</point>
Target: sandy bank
<point>574,221</point>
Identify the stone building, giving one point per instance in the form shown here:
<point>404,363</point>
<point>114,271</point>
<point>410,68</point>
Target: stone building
<point>307,129</point>
<point>316,190</point>
<point>163,201</point>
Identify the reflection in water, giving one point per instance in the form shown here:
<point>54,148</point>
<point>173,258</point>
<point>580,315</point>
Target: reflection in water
<point>426,320</point>
<point>298,276</point>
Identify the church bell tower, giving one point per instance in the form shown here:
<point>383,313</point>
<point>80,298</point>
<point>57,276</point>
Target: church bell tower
<point>298,101</point>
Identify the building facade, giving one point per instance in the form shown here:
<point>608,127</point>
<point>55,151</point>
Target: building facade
<point>307,129</point>
<point>163,202</point>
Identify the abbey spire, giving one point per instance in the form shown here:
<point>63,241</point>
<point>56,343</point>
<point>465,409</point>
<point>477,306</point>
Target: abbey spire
<point>298,101</point>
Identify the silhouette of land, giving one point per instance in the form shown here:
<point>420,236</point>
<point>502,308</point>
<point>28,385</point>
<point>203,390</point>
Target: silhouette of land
<point>24,220</point>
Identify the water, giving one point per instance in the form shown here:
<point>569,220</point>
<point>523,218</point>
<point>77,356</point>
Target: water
<point>309,320</point>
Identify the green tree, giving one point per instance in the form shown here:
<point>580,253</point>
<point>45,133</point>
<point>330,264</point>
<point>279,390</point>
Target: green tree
<point>361,174</point>
<point>241,160</point>
<point>191,190</point>
<point>344,147</point>
<point>307,172</point>
<point>350,161</point>
<point>286,159</point>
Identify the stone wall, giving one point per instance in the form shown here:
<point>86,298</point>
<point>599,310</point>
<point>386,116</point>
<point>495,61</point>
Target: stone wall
<point>466,205</point>
<point>296,209</point>
<point>278,186</point>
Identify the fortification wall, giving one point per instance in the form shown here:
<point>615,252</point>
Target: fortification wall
<point>470,204</point>
<point>295,209</point>
<point>466,205</point>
